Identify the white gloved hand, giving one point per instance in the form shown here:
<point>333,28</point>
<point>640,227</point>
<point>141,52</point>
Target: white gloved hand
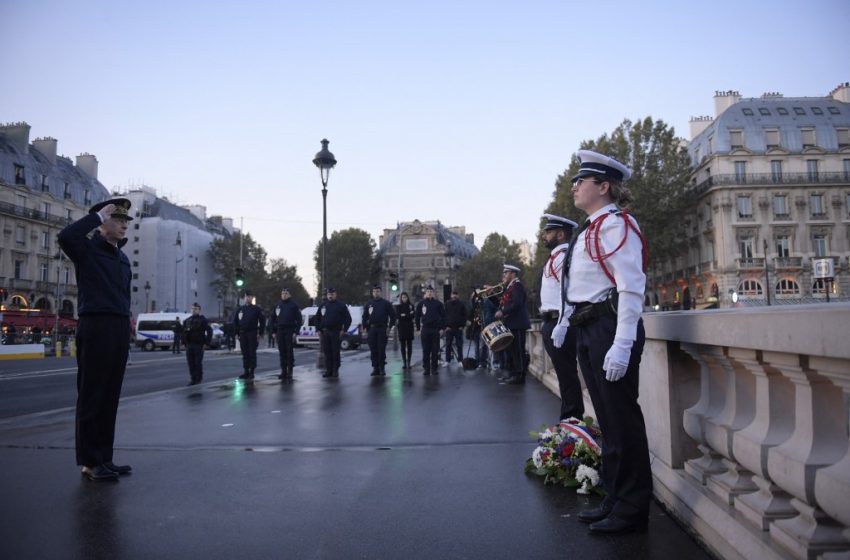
<point>559,333</point>
<point>617,359</point>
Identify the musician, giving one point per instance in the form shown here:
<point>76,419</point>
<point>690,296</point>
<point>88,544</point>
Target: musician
<point>604,299</point>
<point>430,317</point>
<point>556,235</point>
<point>514,314</point>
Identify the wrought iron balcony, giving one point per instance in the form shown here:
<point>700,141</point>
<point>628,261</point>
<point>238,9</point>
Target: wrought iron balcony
<point>762,179</point>
<point>751,264</point>
<point>32,214</point>
<point>788,263</point>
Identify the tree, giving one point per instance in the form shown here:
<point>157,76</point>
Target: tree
<point>282,275</point>
<point>352,263</point>
<point>224,253</point>
<point>660,165</point>
<point>486,267</point>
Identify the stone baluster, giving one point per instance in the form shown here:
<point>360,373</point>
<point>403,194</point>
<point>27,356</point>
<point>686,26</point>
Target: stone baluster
<point>819,440</point>
<point>710,404</point>
<point>772,425</point>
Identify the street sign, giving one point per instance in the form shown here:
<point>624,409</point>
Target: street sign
<point>823,268</point>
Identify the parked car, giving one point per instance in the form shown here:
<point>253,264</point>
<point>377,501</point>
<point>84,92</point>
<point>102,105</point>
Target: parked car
<point>307,333</point>
<point>153,330</point>
<point>217,336</point>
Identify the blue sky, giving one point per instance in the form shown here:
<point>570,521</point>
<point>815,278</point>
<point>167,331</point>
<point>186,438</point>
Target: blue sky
<point>464,112</point>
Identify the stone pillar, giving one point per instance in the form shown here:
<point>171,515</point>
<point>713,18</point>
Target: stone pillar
<point>709,406</point>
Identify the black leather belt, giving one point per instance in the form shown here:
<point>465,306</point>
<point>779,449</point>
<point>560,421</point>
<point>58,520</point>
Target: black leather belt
<point>550,315</point>
<point>586,312</point>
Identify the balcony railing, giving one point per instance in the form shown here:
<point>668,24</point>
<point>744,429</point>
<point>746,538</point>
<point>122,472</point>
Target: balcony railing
<point>788,263</point>
<point>32,214</point>
<point>751,264</point>
<point>772,179</point>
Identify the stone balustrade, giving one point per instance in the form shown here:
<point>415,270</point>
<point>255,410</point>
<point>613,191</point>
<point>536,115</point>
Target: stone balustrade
<point>748,419</point>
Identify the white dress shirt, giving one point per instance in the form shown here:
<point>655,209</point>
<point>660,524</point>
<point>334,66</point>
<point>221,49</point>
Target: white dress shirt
<point>550,286</point>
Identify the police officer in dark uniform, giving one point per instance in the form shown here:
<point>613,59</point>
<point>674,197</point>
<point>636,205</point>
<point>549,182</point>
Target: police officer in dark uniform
<point>197,332</point>
<point>334,320</point>
<point>103,283</point>
<point>287,319</point>
<point>514,314</point>
<point>378,316</point>
<point>430,318</point>
<point>249,323</point>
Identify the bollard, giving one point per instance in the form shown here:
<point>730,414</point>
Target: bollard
<point>72,348</point>
<point>58,349</point>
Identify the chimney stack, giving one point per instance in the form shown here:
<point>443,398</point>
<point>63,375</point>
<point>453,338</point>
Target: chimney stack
<point>18,135</point>
<point>698,124</point>
<point>841,93</point>
<point>87,163</point>
<point>47,147</point>
<point>724,99</point>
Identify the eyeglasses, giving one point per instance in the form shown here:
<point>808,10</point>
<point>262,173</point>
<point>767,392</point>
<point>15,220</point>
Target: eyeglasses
<point>577,183</point>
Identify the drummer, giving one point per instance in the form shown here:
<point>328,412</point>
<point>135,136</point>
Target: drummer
<point>514,314</point>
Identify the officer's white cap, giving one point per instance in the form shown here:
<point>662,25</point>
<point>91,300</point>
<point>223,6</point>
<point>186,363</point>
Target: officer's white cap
<point>558,222</point>
<point>510,268</point>
<point>593,163</point>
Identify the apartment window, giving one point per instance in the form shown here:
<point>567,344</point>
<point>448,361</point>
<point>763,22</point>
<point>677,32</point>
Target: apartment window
<point>776,170</point>
<point>20,202</point>
<point>45,208</point>
<point>816,205</point>
<point>741,171</point>
<point>780,206</point>
<point>135,226</point>
<point>20,235</point>
<point>787,287</point>
<point>19,269</point>
<point>135,276</point>
<point>843,137</point>
<point>87,198</point>
<point>764,111</point>
<point>745,207</point>
<point>772,138</point>
<point>833,110</point>
<point>819,287</point>
<point>45,186</point>
<point>750,288</point>
<point>42,272</point>
<point>748,112</point>
<point>817,110</point>
<point>812,169</point>
<point>45,240</point>
<point>783,245</point>
<point>66,192</point>
<point>746,246</point>
<point>710,145</point>
<point>799,111</point>
<point>136,239</point>
<point>819,245</point>
<point>808,136</point>
<point>20,177</point>
<point>68,215</point>
<point>736,138</point>
<point>135,264</point>
<point>846,167</point>
<point>782,110</point>
<point>66,275</point>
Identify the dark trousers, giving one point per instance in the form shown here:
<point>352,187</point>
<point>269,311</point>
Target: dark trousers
<point>454,344</point>
<point>101,359</point>
<point>516,353</point>
<point>430,338</point>
<point>285,347</point>
<point>331,340</point>
<point>175,348</point>
<point>566,368</point>
<point>406,349</point>
<point>195,358</point>
<point>248,343</point>
<point>626,473</point>
<point>377,337</point>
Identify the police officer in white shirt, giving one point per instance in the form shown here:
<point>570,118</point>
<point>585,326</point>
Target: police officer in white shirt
<point>557,232</point>
<point>605,286</point>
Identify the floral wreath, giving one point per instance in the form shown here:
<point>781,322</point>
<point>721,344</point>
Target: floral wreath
<point>568,454</point>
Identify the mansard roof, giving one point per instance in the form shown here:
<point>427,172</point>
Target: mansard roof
<point>460,246</point>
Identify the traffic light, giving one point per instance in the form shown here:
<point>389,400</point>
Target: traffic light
<point>240,278</point>
<point>393,281</point>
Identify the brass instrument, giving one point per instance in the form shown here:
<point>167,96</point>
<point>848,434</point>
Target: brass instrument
<point>484,293</point>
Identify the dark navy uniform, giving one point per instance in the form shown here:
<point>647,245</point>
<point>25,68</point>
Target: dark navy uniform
<point>512,304</point>
<point>431,319</point>
<point>404,312</point>
<point>197,332</point>
<point>249,324</point>
<point>378,316</point>
<point>103,281</point>
<point>287,319</point>
<point>334,320</point>
<point>455,322</point>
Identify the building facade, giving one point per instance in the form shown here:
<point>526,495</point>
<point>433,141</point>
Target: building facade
<point>168,247</point>
<point>40,193</point>
<point>423,254</point>
<point>772,181</point>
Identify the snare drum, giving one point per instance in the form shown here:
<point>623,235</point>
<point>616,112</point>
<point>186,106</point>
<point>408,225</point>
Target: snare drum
<point>497,336</point>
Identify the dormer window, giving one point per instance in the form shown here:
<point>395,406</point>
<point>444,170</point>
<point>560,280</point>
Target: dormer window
<point>799,111</point>
<point>20,178</point>
<point>817,110</point>
<point>736,139</point>
<point>833,110</point>
<point>764,111</point>
<point>808,137</point>
<point>782,110</point>
<point>772,138</point>
<point>748,112</point>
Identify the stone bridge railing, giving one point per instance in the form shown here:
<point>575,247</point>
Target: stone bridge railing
<point>748,418</point>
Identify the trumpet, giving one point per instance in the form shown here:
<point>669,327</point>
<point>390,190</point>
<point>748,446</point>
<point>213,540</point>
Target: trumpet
<point>484,293</point>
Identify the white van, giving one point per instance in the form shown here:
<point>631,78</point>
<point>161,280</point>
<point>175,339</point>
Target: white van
<point>307,333</point>
<point>153,330</point>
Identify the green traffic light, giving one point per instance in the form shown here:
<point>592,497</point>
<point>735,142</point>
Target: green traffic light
<point>239,282</point>
<point>394,287</point>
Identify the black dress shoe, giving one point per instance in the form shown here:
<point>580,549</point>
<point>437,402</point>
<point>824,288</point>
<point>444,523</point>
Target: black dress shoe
<point>245,375</point>
<point>427,372</point>
<point>514,380</point>
<point>594,515</point>
<point>99,473</point>
<point>613,525</point>
<point>118,469</point>
<point>374,372</point>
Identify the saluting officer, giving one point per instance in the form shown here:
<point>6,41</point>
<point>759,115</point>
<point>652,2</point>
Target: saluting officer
<point>514,314</point>
<point>250,323</point>
<point>287,319</point>
<point>557,232</point>
<point>430,318</point>
<point>378,316</point>
<point>605,287</point>
<point>197,332</point>
<point>103,280</point>
<point>334,320</point>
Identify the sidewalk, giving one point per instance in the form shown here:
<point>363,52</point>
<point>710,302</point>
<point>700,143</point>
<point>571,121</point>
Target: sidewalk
<point>405,466</point>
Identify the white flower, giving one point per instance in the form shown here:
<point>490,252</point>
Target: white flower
<point>536,458</point>
<point>588,478</point>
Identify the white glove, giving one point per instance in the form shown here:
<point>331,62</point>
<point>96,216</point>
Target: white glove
<point>559,333</point>
<point>617,359</point>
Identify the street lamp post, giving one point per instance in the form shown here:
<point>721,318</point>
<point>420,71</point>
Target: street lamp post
<point>766,274</point>
<point>325,161</point>
<point>177,243</point>
<point>147,294</point>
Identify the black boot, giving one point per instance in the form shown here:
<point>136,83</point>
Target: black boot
<point>245,375</point>
<point>289,373</point>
